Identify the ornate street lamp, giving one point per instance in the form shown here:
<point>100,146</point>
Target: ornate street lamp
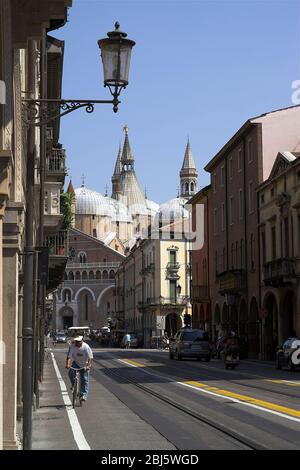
<point>116,55</point>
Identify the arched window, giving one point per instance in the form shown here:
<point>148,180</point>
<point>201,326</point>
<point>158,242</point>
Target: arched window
<point>192,187</point>
<point>77,276</point>
<point>111,274</point>
<point>98,274</point>
<point>91,275</point>
<point>84,275</point>
<point>186,187</point>
<point>105,275</point>
<point>82,257</point>
<point>67,295</point>
<point>71,276</point>
<point>66,276</point>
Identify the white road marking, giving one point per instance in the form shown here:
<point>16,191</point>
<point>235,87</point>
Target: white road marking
<point>75,425</point>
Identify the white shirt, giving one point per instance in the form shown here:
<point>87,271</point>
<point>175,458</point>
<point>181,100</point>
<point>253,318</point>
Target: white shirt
<point>80,355</point>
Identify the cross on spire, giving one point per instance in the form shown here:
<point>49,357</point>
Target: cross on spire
<point>106,190</point>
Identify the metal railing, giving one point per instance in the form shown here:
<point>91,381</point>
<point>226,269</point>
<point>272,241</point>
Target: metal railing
<point>57,244</point>
<point>89,281</point>
<point>279,268</point>
<point>110,264</point>
<point>56,162</point>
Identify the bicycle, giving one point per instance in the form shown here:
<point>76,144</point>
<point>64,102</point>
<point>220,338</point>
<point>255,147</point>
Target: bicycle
<point>76,389</point>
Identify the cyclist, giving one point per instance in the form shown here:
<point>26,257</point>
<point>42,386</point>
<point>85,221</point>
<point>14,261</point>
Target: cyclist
<point>80,356</point>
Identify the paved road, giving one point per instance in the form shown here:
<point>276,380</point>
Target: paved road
<point>140,399</point>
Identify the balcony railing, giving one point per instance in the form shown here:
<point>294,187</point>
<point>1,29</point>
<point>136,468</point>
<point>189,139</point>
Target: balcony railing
<point>57,244</point>
<point>110,264</point>
<point>180,301</point>
<point>89,281</point>
<point>148,269</point>
<point>232,281</point>
<point>279,271</point>
<point>56,163</point>
<point>200,293</point>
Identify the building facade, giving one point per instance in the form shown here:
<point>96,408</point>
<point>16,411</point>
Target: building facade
<point>279,235</point>
<point>239,167</point>
<point>27,216</point>
<point>87,295</point>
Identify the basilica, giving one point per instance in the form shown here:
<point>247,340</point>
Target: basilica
<point>105,229</point>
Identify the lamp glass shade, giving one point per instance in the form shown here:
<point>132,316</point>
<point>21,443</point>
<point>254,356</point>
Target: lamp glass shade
<point>116,55</point>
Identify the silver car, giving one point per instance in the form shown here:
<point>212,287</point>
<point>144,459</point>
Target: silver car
<point>190,343</point>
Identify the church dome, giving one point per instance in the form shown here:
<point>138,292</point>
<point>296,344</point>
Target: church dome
<point>90,202</point>
<point>152,207</point>
<point>172,210</point>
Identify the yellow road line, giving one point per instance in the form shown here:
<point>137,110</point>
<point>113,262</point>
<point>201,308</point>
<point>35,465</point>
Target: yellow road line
<point>284,382</point>
<point>246,399</point>
<point>133,363</point>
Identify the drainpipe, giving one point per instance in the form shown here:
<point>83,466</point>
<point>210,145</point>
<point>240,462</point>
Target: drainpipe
<point>29,253</point>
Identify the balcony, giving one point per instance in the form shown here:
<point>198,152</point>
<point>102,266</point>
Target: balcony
<point>102,265</point>
<point>165,303</point>
<point>172,271</point>
<point>58,257</point>
<point>148,269</point>
<point>279,272</point>
<point>232,282</point>
<point>200,294</point>
<point>56,165</point>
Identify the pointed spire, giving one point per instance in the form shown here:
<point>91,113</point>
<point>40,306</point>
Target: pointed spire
<point>188,162</point>
<point>83,180</point>
<point>118,166</point>
<point>70,188</point>
<point>126,154</point>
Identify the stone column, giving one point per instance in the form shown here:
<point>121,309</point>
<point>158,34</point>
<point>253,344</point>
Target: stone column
<point>11,248</point>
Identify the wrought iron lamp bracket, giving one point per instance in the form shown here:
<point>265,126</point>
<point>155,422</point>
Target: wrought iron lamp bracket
<point>38,112</point>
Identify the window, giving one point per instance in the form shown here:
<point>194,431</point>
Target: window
<point>172,256</point>
<point>214,182</point>
<point>252,250</point>
<point>251,197</point>
<point>250,151</point>
<point>286,237</point>
<point>273,242</point>
<point>82,257</point>
<point>94,233</point>
<point>215,221</point>
<point>231,210</point>
<point>173,290</point>
<point>240,160</point>
<point>186,187</point>
<point>222,175</point>
<point>192,187</point>
<point>263,246</point>
<point>230,168</point>
<point>241,212</point>
<point>223,215</point>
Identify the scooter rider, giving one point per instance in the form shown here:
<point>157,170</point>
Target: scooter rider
<point>231,346</point>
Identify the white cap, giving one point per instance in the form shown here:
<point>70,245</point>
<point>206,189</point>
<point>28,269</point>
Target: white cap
<point>78,338</point>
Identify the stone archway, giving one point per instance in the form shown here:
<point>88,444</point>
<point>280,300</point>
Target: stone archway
<point>86,306</point>
<point>225,317</point>
<point>217,322</point>
<point>173,324</point>
<point>243,328</point>
<point>253,330</point>
<point>66,318</point>
<point>287,316</point>
<point>270,326</point>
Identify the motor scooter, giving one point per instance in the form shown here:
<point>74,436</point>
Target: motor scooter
<point>231,359</point>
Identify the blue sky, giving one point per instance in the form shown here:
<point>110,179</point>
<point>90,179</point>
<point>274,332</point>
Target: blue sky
<point>199,68</point>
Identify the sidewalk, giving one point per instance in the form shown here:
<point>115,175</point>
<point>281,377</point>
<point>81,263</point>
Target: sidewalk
<point>51,427</point>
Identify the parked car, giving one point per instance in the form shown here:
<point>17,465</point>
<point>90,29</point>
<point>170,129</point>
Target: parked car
<point>133,342</point>
<point>285,352</point>
<point>60,338</point>
<point>190,343</point>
